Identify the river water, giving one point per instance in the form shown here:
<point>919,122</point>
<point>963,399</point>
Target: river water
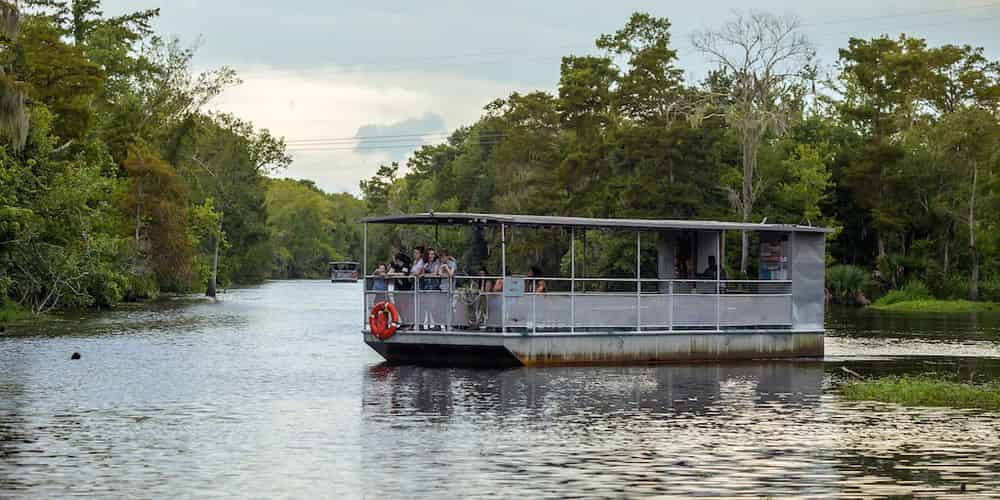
<point>271,393</point>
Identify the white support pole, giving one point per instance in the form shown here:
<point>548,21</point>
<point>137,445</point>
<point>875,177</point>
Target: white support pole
<point>718,283</point>
<point>364,275</point>
<point>638,281</point>
<point>572,279</point>
<point>503,278</point>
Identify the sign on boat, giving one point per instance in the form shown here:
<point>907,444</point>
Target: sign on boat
<point>675,314</point>
<point>344,271</point>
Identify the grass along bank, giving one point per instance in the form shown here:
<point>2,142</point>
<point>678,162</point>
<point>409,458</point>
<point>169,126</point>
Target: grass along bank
<point>937,306</point>
<point>915,297</point>
<point>924,390</point>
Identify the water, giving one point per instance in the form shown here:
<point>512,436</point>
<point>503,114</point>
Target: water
<point>271,393</point>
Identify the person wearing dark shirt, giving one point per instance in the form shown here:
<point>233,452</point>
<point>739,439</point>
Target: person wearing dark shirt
<point>400,266</point>
<point>712,271</point>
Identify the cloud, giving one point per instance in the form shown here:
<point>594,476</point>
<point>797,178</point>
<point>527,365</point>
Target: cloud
<point>320,113</point>
<point>395,139</point>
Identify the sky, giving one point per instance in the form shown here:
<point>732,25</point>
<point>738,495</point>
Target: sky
<point>321,72</point>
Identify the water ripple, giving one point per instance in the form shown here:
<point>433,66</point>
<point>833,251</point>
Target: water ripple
<point>270,393</point>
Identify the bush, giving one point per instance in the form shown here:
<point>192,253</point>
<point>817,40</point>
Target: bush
<point>845,282</point>
<point>12,311</point>
<point>141,287</point>
<point>957,287</point>
<point>951,286</point>
<point>989,290</point>
<point>914,290</point>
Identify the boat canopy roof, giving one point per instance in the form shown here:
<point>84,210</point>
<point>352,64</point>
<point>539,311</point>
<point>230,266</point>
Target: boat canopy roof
<point>455,218</point>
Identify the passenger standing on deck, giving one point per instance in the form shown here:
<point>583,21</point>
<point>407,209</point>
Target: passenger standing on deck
<point>380,283</point>
<point>447,269</point>
<point>431,303</point>
<point>432,267</point>
<point>417,269</point>
<point>400,268</point>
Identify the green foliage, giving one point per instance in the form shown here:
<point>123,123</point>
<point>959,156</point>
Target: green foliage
<point>807,182</point>
<point>122,186</point>
<point>914,290</point>
<point>310,228</point>
<point>12,311</point>
<point>925,390</point>
<point>157,199</point>
<point>939,306</point>
<point>60,75</point>
<point>845,282</point>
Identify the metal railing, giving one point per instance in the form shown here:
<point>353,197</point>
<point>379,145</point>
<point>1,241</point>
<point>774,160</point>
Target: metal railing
<point>470,303</point>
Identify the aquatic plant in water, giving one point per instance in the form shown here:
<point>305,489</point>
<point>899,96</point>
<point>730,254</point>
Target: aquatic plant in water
<point>925,390</point>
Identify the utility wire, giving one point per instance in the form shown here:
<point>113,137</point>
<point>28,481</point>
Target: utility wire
<point>359,143</point>
<point>376,139</point>
<point>407,63</point>
<point>380,147</point>
<point>892,16</point>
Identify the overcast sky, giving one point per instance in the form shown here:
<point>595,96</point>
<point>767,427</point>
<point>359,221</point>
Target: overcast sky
<point>335,69</point>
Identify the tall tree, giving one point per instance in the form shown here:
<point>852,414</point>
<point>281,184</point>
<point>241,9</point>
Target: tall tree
<point>767,62</point>
<point>13,93</point>
<point>228,163</point>
<point>879,88</point>
<point>157,198</point>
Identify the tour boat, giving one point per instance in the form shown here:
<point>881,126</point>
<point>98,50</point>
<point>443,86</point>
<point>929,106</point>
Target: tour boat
<point>344,272</point>
<point>664,313</point>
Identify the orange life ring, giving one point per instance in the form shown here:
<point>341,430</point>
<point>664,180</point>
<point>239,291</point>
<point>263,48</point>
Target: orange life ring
<point>384,320</point>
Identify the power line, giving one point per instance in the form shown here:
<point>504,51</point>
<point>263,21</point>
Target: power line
<point>925,25</point>
<point>909,14</point>
<point>398,141</point>
<point>409,63</point>
<point>379,138</point>
<point>380,147</point>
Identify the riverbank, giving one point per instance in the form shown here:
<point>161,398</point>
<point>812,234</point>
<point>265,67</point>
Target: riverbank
<point>937,306</point>
<point>925,390</point>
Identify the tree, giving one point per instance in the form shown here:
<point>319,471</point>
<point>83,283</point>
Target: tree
<point>376,190</point>
<point>651,87</point>
<point>806,184</point>
<point>879,86</point>
<point>970,148</point>
<point>13,93</point>
<point>309,228</point>
<point>157,197</point>
<point>766,60</point>
<point>228,163</point>
<point>61,76</point>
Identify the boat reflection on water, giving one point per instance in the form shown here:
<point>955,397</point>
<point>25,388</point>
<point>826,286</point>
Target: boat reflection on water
<point>750,429</point>
<point>668,429</point>
<point>411,390</point>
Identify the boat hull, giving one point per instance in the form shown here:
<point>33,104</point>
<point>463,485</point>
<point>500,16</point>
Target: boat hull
<point>593,348</point>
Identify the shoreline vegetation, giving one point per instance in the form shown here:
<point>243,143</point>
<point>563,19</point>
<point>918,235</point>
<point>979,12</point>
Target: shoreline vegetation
<point>937,306</point>
<point>925,390</point>
<point>916,297</point>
